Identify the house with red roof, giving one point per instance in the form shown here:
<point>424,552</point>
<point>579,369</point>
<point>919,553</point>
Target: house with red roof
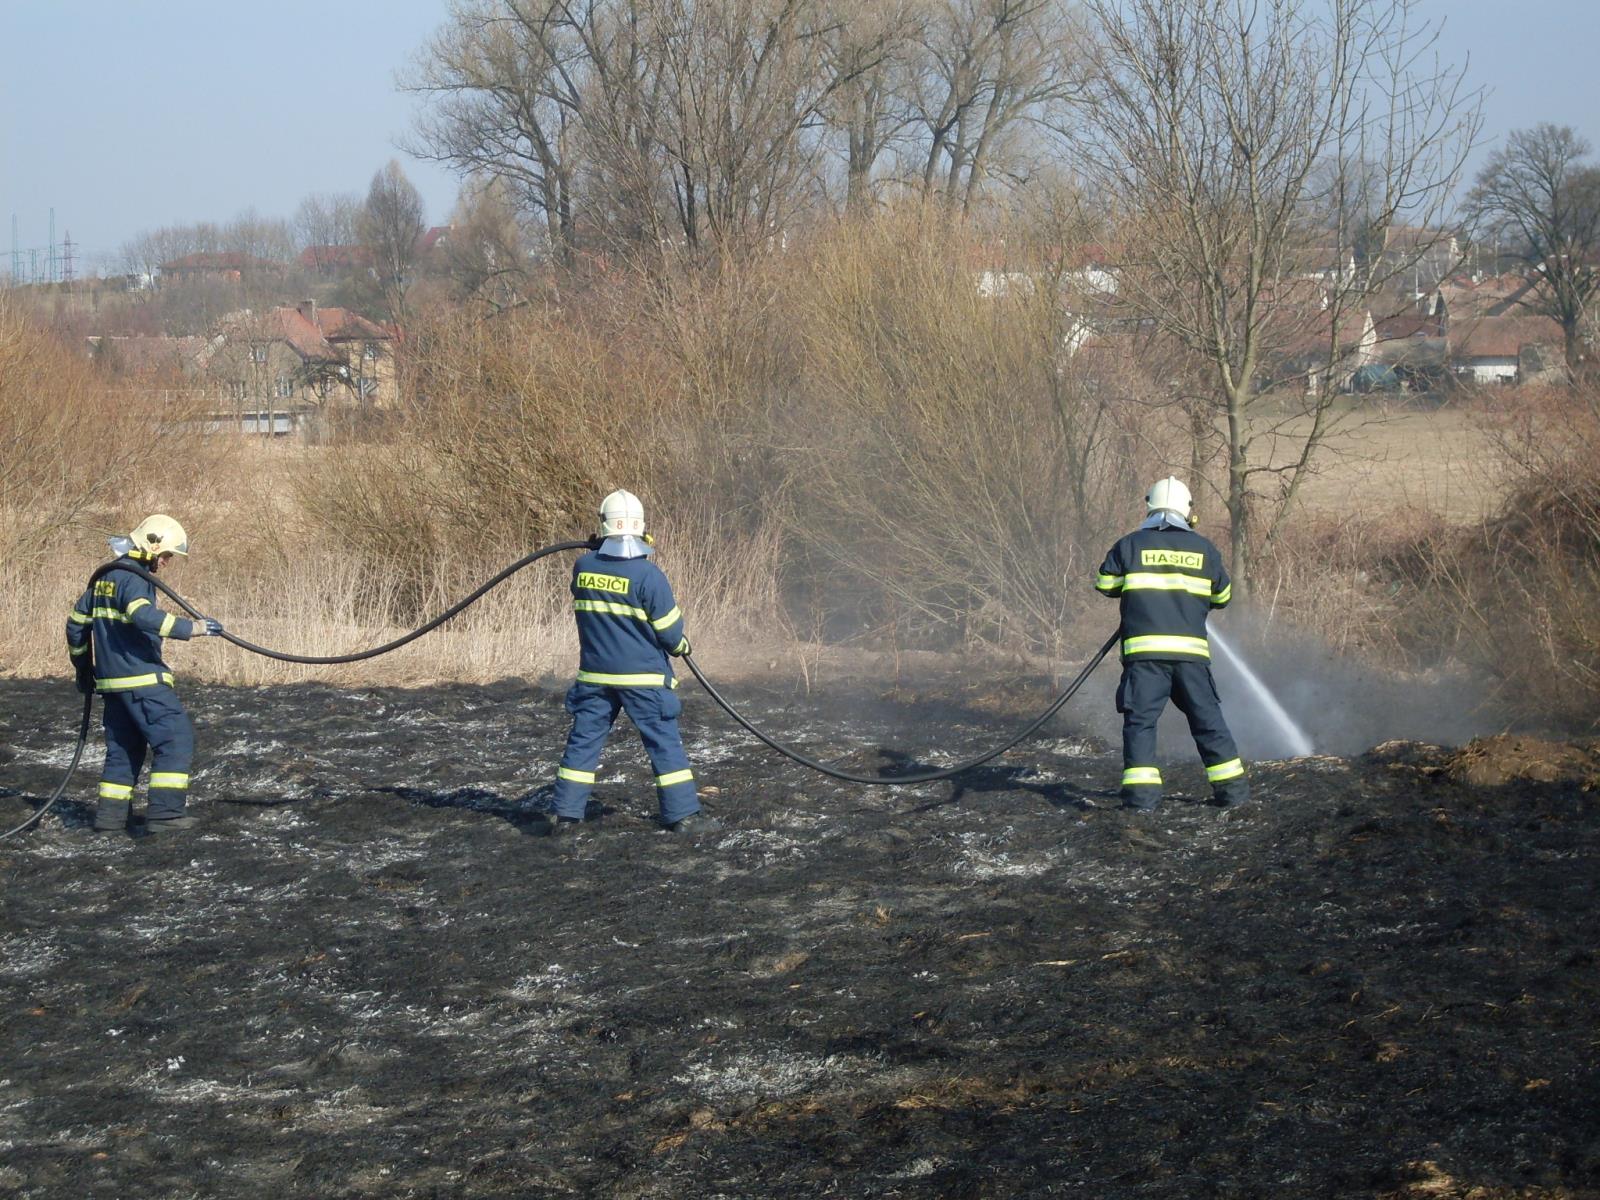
<point>230,266</point>
<point>302,358</point>
<point>347,259</point>
<point>1504,350</point>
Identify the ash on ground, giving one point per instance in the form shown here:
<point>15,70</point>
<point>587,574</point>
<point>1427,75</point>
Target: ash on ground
<point>364,977</point>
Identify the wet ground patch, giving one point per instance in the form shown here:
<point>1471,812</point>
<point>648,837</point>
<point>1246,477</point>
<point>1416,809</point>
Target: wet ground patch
<point>366,977</point>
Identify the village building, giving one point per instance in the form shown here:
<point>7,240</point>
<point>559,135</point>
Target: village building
<point>305,356</point>
<point>1505,350</point>
<point>228,266</point>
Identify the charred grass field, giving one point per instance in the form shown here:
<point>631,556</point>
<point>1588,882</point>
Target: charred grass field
<point>367,976</point>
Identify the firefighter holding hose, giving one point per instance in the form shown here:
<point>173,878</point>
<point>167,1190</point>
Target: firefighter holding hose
<point>628,626</point>
<point>114,636</point>
<point>1168,579</point>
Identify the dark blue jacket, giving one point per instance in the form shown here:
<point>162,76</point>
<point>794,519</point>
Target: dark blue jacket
<point>627,621</point>
<point>1169,579</point>
<point>120,613</point>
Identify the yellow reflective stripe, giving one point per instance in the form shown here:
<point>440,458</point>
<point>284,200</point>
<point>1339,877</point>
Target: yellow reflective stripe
<point>137,605</point>
<point>1108,583</point>
<point>77,650</point>
<point>166,625</point>
<point>572,776</point>
<point>1154,581</point>
<point>668,619</point>
<point>78,618</point>
<point>612,607</point>
<point>623,680</point>
<point>115,791</point>
<point>104,614</point>
<point>1140,776</point>
<point>672,777</point>
<point>126,683</point>
<point>168,779</point>
<point>1223,596</point>
<point>681,648</point>
<point>1231,769</point>
<point>1157,643</point>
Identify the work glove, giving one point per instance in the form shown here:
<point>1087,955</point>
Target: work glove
<point>681,650</point>
<point>209,627</point>
<point>85,679</point>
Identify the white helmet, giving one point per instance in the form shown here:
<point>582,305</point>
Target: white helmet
<point>1168,495</point>
<point>622,515</point>
<point>158,535</point>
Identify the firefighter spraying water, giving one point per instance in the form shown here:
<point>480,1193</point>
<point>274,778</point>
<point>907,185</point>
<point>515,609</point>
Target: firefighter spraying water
<point>1168,579</point>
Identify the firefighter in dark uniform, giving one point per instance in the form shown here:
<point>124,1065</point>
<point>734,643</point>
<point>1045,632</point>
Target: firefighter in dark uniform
<point>628,626</point>
<point>114,637</point>
<point>1168,579</point>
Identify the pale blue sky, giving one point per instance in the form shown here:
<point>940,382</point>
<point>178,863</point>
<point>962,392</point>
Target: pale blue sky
<point>129,114</point>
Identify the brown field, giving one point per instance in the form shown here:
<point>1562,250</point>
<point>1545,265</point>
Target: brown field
<point>1387,457</point>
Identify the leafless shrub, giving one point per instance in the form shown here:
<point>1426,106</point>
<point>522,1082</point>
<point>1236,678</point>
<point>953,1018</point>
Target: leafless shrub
<point>515,429</point>
<point>72,444</point>
<point>956,466</point>
<point>1518,598</point>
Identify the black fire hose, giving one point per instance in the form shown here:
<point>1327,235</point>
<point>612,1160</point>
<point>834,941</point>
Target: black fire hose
<point>327,660</point>
<point>265,652</point>
<point>918,776</point>
<point>478,594</point>
<point>61,788</point>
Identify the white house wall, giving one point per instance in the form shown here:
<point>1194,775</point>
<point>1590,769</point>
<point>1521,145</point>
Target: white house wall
<point>1490,370</point>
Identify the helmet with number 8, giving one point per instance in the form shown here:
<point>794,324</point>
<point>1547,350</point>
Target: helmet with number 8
<point>622,515</point>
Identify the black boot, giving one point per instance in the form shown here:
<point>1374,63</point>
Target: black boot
<point>111,816</point>
<point>696,822</point>
<point>162,825</point>
<point>1231,795</point>
<point>566,827</point>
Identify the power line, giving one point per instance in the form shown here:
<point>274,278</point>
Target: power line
<point>54,262</point>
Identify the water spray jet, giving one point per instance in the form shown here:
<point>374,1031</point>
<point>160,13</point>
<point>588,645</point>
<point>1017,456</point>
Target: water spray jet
<point>1296,737</point>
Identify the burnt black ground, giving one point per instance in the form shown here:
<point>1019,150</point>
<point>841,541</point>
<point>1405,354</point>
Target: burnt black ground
<point>364,978</point>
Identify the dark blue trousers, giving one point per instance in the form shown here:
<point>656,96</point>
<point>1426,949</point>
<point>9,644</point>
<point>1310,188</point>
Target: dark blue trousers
<point>654,712</point>
<point>149,719</point>
<point>1142,696</point>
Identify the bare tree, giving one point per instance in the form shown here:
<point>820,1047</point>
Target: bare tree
<point>705,124</point>
<point>987,68</point>
<point>1540,198</point>
<point>326,219</point>
<point>391,225</point>
<point>742,82</point>
<point>1216,127</point>
<point>487,255</point>
<point>503,78</point>
<point>145,253</point>
<point>266,238</point>
<point>869,49</point>
<point>664,122</point>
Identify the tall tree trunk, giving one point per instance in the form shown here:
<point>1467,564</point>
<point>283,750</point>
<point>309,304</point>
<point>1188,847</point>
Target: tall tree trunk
<point>1238,492</point>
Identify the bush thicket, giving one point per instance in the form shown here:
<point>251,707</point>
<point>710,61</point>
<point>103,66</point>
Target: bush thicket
<point>1517,597</point>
